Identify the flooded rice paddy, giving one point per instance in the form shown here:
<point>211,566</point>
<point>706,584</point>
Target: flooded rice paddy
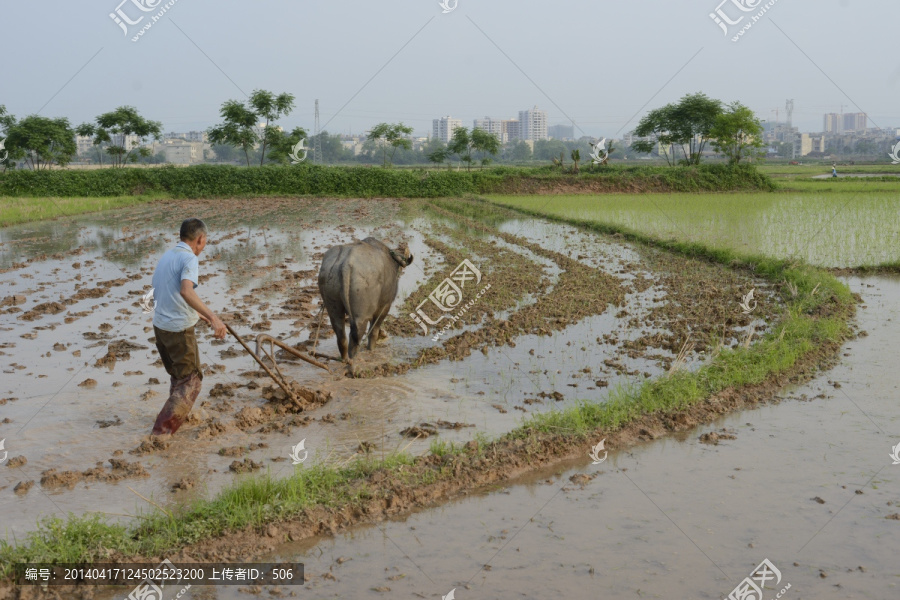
<point>82,382</point>
<point>833,229</point>
<point>669,518</point>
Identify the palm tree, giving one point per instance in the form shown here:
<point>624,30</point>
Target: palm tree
<point>576,156</point>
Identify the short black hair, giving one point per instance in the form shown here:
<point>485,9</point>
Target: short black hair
<point>192,228</point>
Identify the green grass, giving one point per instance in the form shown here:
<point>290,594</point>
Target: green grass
<point>24,210</point>
<point>841,228</point>
<point>824,168</point>
<point>251,501</point>
<point>862,185</point>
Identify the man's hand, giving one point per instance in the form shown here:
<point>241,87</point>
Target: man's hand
<point>219,328</point>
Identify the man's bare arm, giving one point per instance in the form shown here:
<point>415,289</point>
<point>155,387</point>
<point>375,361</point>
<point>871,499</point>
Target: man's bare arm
<point>194,301</point>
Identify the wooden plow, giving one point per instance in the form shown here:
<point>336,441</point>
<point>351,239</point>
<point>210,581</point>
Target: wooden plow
<point>279,379</point>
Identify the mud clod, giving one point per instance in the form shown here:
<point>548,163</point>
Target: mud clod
<point>246,466</point>
<point>22,487</point>
<point>185,484</point>
<point>103,424</point>
<point>419,431</point>
<point>148,446</point>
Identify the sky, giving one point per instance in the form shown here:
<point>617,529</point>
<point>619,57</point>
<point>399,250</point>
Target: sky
<point>599,64</point>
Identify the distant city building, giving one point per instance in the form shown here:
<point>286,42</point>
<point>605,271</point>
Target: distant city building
<point>353,143</point>
<point>857,122</point>
<point>490,125</point>
<point>85,144</point>
<point>779,132</point>
<point>561,132</point>
<point>442,129</point>
<point>510,130</point>
<point>832,123</point>
<point>190,136</point>
<point>179,152</point>
<point>533,124</point>
<point>805,144</point>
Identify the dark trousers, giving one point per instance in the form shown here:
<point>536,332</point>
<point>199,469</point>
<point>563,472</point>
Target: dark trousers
<point>181,358</point>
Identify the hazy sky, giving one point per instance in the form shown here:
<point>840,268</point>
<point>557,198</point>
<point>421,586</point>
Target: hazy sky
<point>596,63</point>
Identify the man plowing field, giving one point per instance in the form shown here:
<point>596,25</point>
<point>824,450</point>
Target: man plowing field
<point>178,308</point>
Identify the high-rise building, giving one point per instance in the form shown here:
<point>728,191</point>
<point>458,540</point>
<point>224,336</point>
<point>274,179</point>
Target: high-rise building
<point>533,124</point>
<point>442,129</point>
<point>855,122</point>
<point>510,130</point>
<point>832,123</point>
<point>561,132</point>
<point>490,125</point>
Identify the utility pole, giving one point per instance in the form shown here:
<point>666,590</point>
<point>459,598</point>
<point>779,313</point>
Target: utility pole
<point>317,140</point>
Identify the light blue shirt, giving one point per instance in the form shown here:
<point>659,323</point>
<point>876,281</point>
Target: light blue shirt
<point>172,313</point>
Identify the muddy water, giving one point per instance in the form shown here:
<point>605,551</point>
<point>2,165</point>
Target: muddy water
<point>58,419</point>
<point>806,483</point>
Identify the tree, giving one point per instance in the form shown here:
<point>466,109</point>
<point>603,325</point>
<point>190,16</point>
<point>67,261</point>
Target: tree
<point>224,152</point>
<point>549,149</point>
<point>237,130</point>
<point>393,135</point>
<point>440,155</point>
<point>461,145</point>
<point>686,124</point>
<point>283,145</point>
<point>41,141</point>
<point>484,142</point>
<point>520,152</point>
<point>464,143</point>
<point>332,148</point>
<point>576,156</point>
<point>114,128</point>
<point>737,133</point>
<point>6,121</point>
<point>270,107</point>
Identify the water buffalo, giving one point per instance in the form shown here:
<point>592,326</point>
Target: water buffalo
<point>359,281</point>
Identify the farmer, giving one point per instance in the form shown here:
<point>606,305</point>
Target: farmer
<point>834,170</point>
<point>178,307</point>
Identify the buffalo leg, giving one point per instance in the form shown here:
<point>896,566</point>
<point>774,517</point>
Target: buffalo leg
<point>336,316</point>
<point>375,330</point>
<point>357,327</point>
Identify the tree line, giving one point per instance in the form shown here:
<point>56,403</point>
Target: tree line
<point>248,132</point>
